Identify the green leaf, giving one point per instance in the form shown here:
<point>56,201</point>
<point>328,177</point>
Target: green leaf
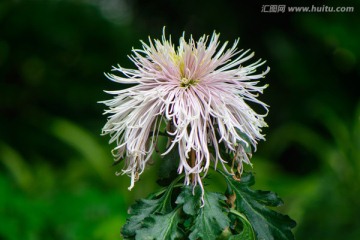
<point>210,219</point>
<point>267,224</point>
<point>191,202</point>
<point>161,227</point>
<point>168,166</point>
<point>138,212</point>
<point>145,208</point>
<point>247,232</point>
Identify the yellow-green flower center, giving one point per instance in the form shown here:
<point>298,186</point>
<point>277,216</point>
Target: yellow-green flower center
<point>179,61</point>
<point>185,83</point>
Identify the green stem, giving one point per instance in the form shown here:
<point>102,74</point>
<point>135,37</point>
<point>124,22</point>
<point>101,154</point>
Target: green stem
<point>170,187</point>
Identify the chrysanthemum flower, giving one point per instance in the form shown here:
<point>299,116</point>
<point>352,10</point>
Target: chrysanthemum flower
<point>201,91</point>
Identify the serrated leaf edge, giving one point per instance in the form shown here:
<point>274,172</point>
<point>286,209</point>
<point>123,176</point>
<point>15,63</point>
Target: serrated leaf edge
<point>254,210</point>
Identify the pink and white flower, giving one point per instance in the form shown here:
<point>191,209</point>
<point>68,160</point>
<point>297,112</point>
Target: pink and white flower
<point>200,90</point>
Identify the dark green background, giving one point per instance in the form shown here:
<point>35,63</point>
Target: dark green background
<point>56,178</point>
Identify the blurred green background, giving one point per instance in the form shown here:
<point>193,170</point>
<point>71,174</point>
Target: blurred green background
<point>56,178</point>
